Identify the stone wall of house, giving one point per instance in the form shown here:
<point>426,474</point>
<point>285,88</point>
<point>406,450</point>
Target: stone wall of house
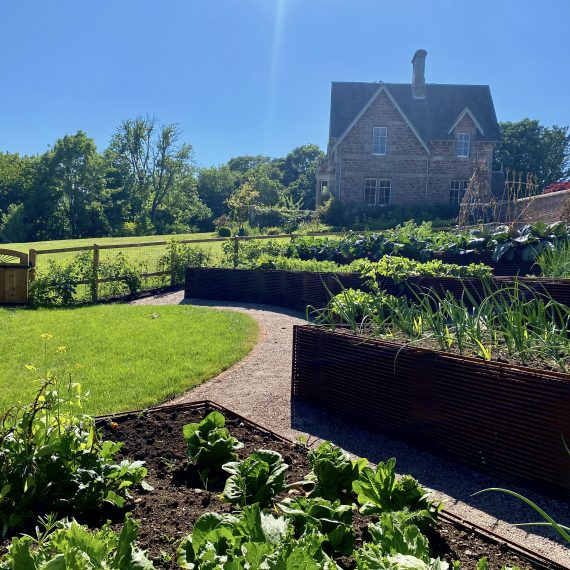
<point>546,207</point>
<point>405,162</point>
<point>416,177</point>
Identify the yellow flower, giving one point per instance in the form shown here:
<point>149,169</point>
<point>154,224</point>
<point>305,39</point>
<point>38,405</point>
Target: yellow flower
<point>30,367</point>
<point>46,336</point>
<point>61,349</point>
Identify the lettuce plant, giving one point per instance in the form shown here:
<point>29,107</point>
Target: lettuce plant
<point>256,479</point>
<point>371,557</point>
<point>216,538</point>
<point>52,459</point>
<point>332,519</point>
<point>67,544</point>
<point>251,539</point>
<point>333,472</point>
<point>380,490</point>
<point>210,444</point>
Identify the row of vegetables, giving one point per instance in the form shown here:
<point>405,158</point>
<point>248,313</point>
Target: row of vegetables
<point>531,244</point>
<point>54,460</point>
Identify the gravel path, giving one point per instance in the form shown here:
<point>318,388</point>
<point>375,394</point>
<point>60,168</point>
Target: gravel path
<point>258,387</point>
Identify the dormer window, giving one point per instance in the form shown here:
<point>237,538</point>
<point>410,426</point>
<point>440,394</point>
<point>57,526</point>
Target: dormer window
<point>379,140</point>
<point>463,144</point>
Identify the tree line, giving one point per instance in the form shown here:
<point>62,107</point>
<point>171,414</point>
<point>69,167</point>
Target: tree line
<point>146,182</point>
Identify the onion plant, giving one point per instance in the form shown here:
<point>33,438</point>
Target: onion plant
<point>513,323</point>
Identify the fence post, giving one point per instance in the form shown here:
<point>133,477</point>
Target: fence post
<point>236,251</point>
<point>173,254</point>
<point>95,274</point>
<point>32,255</point>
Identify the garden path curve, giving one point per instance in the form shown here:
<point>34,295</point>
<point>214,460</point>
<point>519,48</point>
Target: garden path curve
<point>259,388</point>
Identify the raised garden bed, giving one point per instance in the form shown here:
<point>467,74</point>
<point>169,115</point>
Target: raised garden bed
<point>168,513</point>
<point>290,289</point>
<point>297,290</point>
<point>493,416</point>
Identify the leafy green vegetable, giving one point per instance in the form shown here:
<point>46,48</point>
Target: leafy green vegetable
<point>256,479</point>
<point>371,557</point>
<point>53,460</point>
<point>380,491</point>
<point>333,472</point>
<point>395,533</point>
<point>210,444</point>
<point>333,519</point>
<point>252,539</point>
<point>67,544</point>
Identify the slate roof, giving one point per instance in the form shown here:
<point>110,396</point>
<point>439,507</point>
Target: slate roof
<point>432,117</point>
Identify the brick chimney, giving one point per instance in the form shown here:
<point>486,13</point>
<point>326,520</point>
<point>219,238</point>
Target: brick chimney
<point>418,78</point>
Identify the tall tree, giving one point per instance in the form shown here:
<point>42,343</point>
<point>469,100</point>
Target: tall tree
<point>153,162</point>
<point>530,147</point>
<point>215,186</point>
<point>299,170</point>
<point>73,172</point>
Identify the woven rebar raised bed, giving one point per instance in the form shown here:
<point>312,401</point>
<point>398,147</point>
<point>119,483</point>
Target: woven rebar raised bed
<point>497,417</point>
<point>298,289</point>
<point>290,289</point>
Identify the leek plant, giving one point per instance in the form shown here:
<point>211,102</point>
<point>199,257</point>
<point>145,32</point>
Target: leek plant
<point>510,323</point>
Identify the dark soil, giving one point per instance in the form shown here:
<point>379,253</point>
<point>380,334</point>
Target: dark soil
<point>180,497</point>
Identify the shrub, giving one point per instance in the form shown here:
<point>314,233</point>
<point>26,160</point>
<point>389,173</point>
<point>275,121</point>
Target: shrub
<point>250,251</point>
<point>178,256</point>
<point>224,231</point>
<point>273,231</point>
<point>123,276</point>
<point>52,459</point>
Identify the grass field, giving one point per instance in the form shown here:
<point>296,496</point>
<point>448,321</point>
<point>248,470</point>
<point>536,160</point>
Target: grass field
<point>128,357</point>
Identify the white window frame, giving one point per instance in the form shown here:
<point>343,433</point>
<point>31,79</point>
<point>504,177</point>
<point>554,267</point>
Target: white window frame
<point>457,190</point>
<point>324,185</point>
<point>463,144</point>
<point>370,188</point>
<point>384,192</point>
<point>380,141</point>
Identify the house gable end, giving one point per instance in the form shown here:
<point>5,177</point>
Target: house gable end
<point>357,119</point>
<point>466,113</point>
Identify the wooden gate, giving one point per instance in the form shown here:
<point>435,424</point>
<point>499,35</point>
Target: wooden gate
<point>14,270</point>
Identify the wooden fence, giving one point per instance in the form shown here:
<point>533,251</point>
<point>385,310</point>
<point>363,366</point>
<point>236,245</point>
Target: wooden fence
<point>95,280</point>
<point>13,277</point>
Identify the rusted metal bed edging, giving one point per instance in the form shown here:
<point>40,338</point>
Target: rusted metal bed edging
<point>533,557</point>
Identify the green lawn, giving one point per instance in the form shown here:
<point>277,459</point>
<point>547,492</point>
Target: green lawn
<point>127,357</point>
<point>57,244</point>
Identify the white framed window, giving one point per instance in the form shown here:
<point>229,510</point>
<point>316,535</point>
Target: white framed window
<point>370,185</point>
<point>463,144</point>
<point>457,190</point>
<point>384,191</point>
<point>324,185</point>
<point>379,140</point>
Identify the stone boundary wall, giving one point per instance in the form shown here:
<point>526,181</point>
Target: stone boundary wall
<point>546,207</point>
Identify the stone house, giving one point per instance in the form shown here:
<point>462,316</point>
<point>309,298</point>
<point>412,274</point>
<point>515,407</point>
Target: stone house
<point>407,144</point>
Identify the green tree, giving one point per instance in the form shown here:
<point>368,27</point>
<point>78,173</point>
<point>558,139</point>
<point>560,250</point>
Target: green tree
<point>215,186</point>
<point>240,202</point>
<point>152,162</point>
<point>532,148</point>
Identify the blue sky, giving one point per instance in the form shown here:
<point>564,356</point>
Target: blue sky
<point>253,76</point>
